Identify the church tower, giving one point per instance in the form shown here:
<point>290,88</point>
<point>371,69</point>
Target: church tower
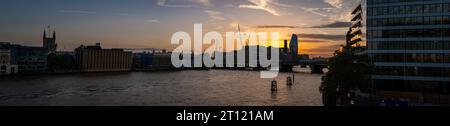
<point>49,43</point>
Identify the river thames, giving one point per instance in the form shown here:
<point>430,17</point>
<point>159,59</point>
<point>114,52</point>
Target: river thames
<point>177,88</point>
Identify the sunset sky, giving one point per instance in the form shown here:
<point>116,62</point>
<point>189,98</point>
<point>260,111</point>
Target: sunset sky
<point>320,24</point>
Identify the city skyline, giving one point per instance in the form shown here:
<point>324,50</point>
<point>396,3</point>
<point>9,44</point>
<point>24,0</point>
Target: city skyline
<point>151,23</point>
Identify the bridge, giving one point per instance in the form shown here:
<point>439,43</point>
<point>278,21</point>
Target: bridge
<point>316,64</point>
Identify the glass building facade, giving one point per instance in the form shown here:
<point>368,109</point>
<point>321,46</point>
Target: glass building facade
<point>409,44</point>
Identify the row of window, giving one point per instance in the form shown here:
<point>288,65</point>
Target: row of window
<point>408,9</point>
<point>409,45</point>
<point>372,2</point>
<point>413,71</point>
<point>412,58</point>
<point>40,67</point>
<point>410,33</point>
<point>413,86</point>
<point>430,20</point>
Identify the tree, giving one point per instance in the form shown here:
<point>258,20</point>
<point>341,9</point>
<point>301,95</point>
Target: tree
<point>347,72</point>
<point>61,62</point>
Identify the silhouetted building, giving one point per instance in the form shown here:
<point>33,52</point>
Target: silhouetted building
<point>31,60</point>
<point>304,57</point>
<point>162,60</point>
<point>143,60</point>
<point>7,61</point>
<point>409,43</point>
<point>96,59</point>
<point>354,37</point>
<point>49,43</point>
<point>285,47</point>
<point>61,62</point>
<point>293,45</point>
<point>26,59</point>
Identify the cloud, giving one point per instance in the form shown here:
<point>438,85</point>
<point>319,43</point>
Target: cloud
<point>337,24</point>
<point>261,5</point>
<point>219,27</point>
<point>324,49</point>
<point>236,25</point>
<point>313,41</point>
<point>182,3</point>
<point>275,26</point>
<point>323,37</point>
<point>77,12</point>
<point>337,10</point>
<point>342,9</point>
<point>318,11</point>
<point>335,3</point>
<point>228,5</point>
<point>215,15</point>
<point>153,21</point>
<point>280,4</point>
<point>125,14</point>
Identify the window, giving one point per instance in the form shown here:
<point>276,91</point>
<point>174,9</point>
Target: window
<point>385,11</point>
<point>446,32</point>
<point>402,10</point>
<point>418,9</point>
<point>446,45</point>
<point>446,8</point>
<point>409,9</point>
<point>432,20</point>
<point>370,11</point>
<point>379,11</point>
<point>419,21</point>
<point>391,22</point>
<point>408,21</point>
<point>438,20</point>
<point>426,21</point>
<point>446,20</point>
<point>447,58</point>
<point>438,8</point>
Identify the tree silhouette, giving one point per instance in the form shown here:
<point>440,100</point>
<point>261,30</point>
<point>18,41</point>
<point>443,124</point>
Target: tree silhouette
<point>347,72</point>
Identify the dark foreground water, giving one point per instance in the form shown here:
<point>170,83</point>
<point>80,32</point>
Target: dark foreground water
<point>181,88</point>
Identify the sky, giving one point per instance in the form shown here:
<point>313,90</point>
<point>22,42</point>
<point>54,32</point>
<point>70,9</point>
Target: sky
<point>320,24</point>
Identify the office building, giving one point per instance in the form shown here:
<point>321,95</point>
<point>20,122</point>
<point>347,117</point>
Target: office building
<point>7,61</point>
<point>142,60</point>
<point>354,37</point>
<point>31,60</point>
<point>409,44</point>
<point>96,59</point>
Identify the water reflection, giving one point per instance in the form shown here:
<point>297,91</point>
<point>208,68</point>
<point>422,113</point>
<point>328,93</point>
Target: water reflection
<point>194,88</point>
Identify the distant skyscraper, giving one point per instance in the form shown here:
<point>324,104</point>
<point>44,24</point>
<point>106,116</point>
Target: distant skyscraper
<point>294,46</point>
<point>49,43</point>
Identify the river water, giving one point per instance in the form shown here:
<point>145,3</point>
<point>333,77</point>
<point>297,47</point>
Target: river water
<point>178,88</point>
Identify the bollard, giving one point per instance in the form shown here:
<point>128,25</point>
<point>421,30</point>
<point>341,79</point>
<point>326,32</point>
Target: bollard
<point>274,86</point>
<point>289,81</point>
